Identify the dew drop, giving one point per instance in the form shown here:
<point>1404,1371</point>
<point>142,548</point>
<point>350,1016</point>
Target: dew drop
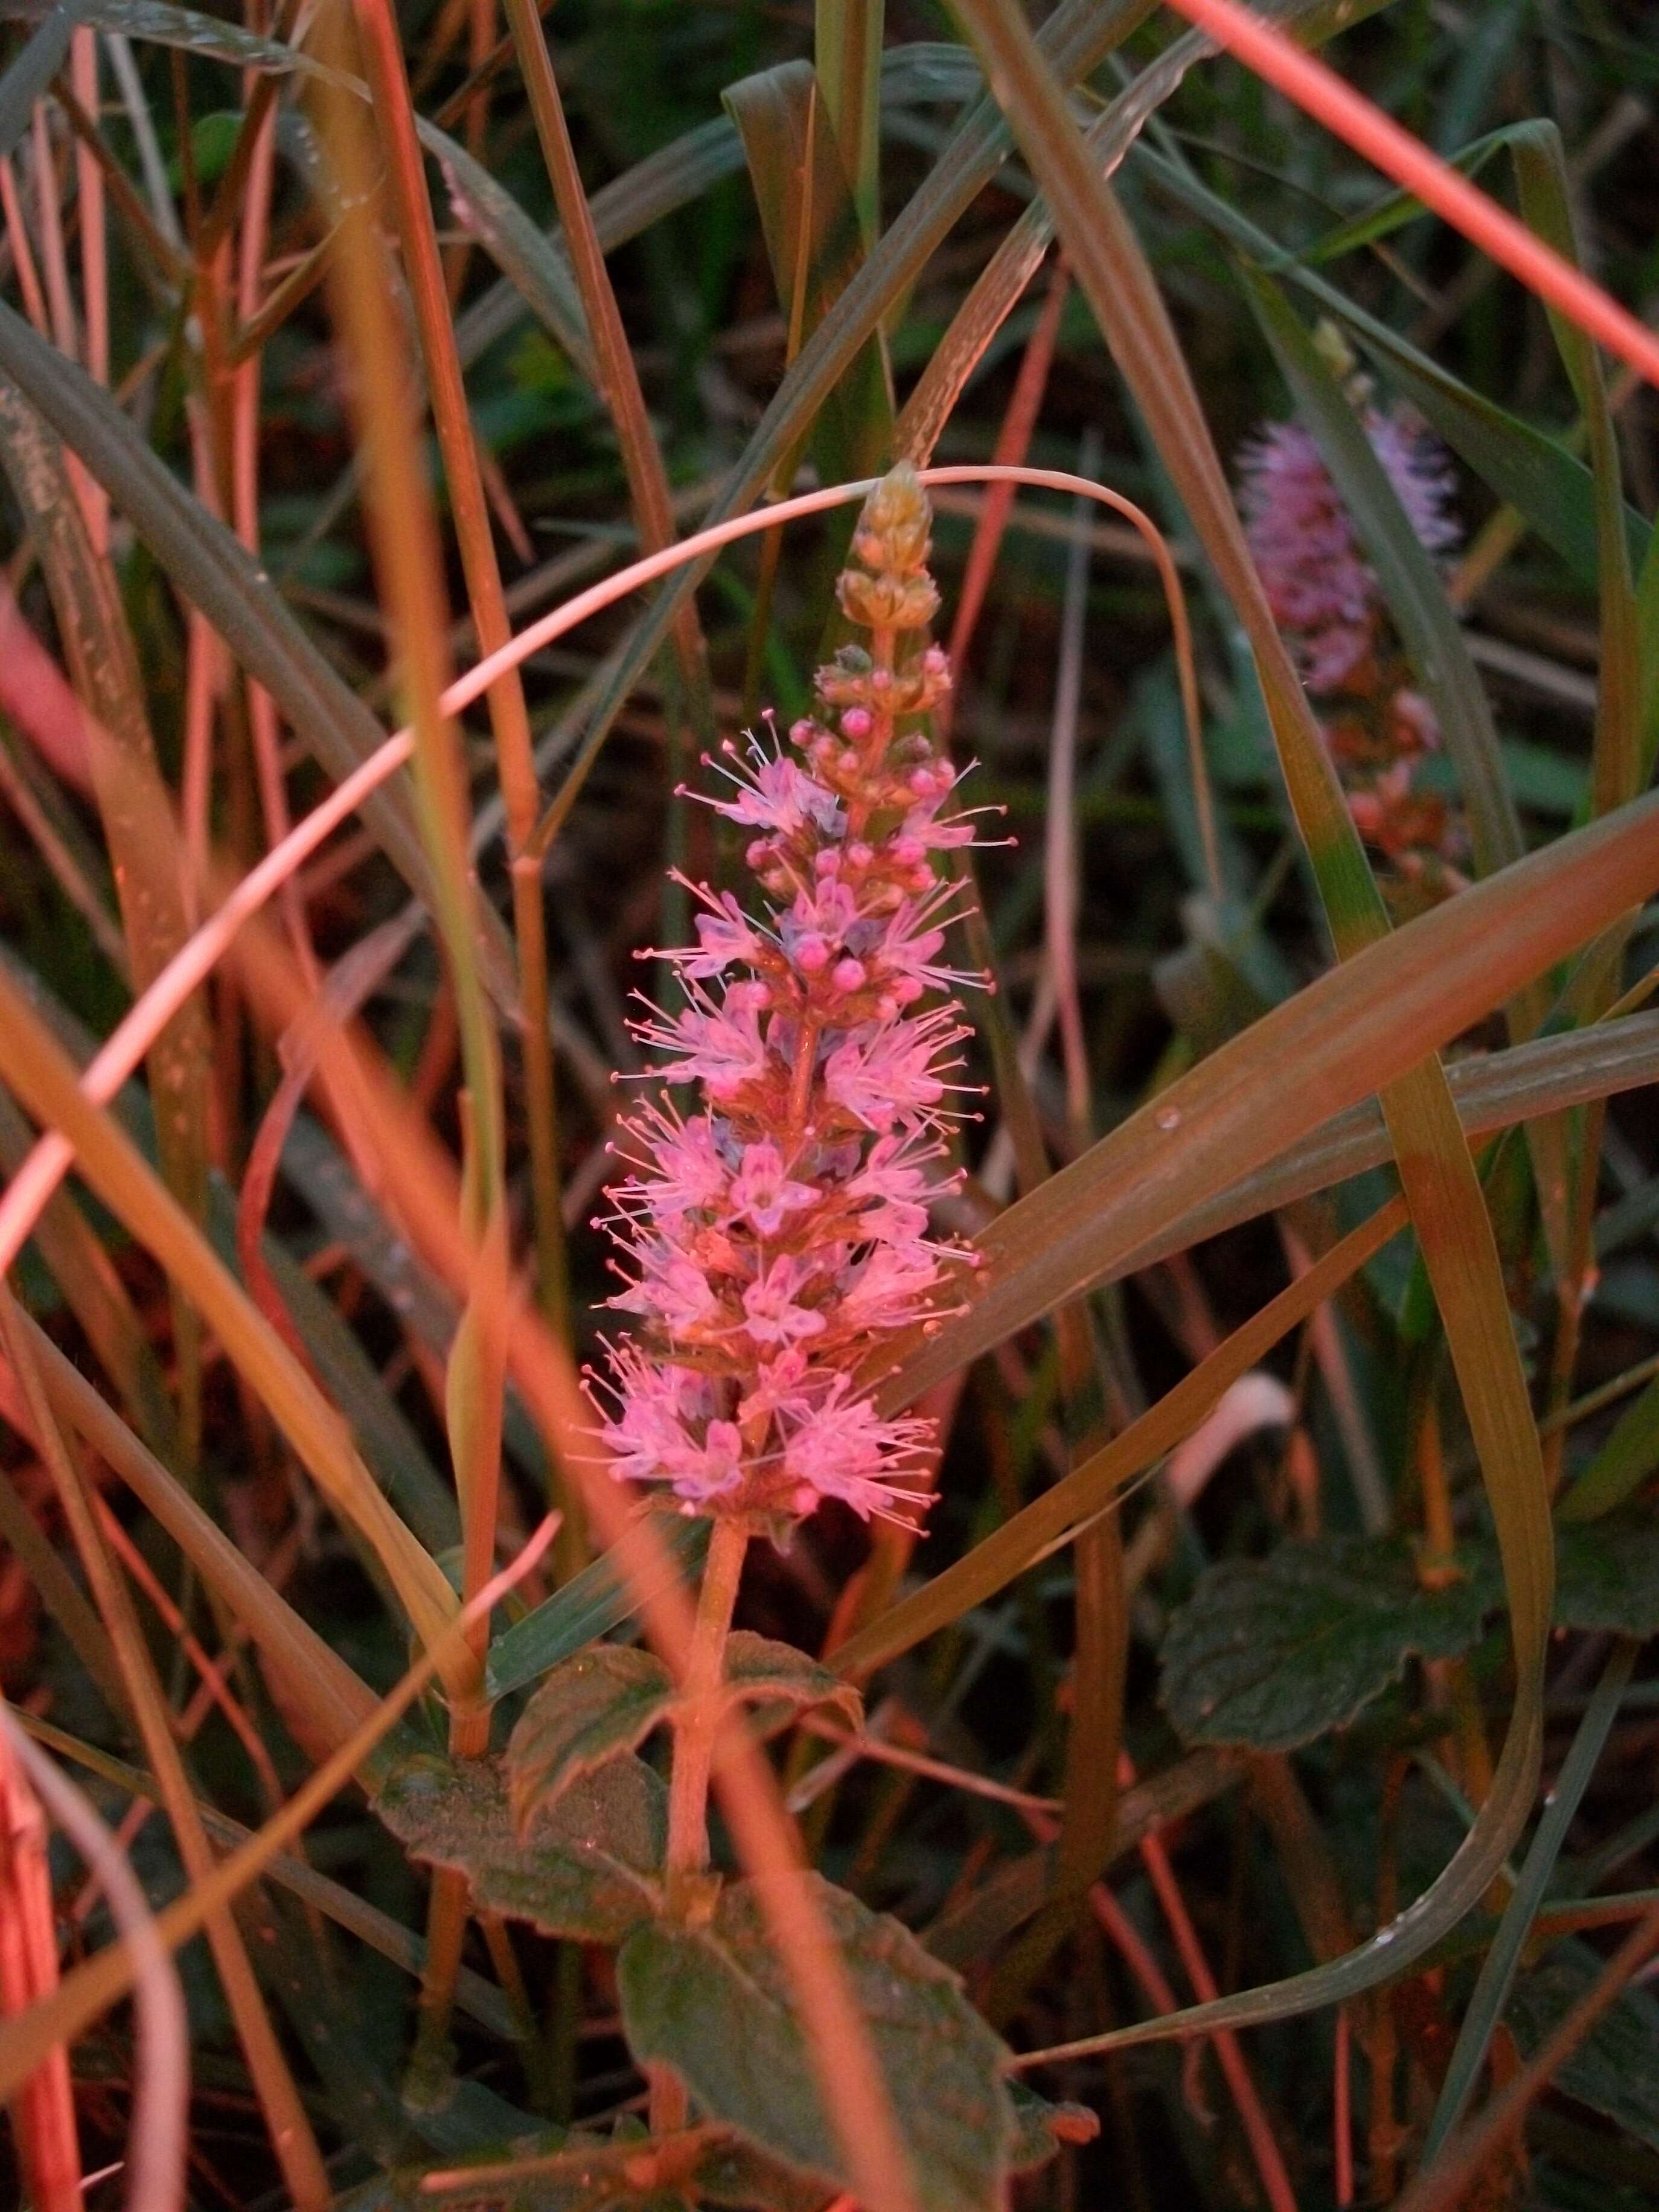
<point>1167,1117</point>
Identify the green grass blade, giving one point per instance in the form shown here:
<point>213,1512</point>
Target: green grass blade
<point>1540,171</point>
<point>589,1606</point>
<point>1091,1488</point>
<point>846,49</point>
<point>1078,34</point>
<point>318,1681</point>
<point>211,567</point>
<point>32,72</point>
<point>1491,1093</point>
<point>799,178</point>
<point>476,1996</point>
<point>1392,211</point>
<point>1491,1989</point>
<point>1621,1465</point>
<point>1441,1186</point>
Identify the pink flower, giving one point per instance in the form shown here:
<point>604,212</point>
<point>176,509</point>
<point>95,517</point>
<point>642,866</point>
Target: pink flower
<point>762,1191</point>
<point>688,1173</point>
<point>671,1289</point>
<point>658,1404</point>
<point>719,1046</point>
<point>724,936</point>
<point>824,1080</point>
<point>842,1450</point>
<point>1321,587</point>
<point>890,1071</point>
<point>771,1315</point>
<point>894,1286</point>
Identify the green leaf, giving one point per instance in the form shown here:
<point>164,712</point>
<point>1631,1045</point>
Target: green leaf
<point>604,1700</point>
<point>1608,1575</point>
<point>761,1672</point>
<point>609,1698</point>
<point>588,1607</point>
<point>805,203</point>
<point>736,2174</point>
<point>713,2002</point>
<point>1615,2069</point>
<point>1272,1653</point>
<point>587,1867</point>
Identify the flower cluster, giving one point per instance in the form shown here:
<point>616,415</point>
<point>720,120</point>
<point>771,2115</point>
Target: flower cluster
<point>1325,599</point>
<point>771,1239</point>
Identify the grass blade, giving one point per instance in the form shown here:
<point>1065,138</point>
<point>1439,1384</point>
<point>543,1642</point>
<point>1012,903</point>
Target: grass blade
<point>45,1080</point>
<point>1616,763</point>
<point>799,178</point>
<point>1090,1489</point>
<point>589,1606</point>
<point>208,564</point>
<point>1485,2006</point>
<point>846,51</point>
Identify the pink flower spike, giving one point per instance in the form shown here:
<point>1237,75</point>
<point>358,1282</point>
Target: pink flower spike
<point>771,1242</point>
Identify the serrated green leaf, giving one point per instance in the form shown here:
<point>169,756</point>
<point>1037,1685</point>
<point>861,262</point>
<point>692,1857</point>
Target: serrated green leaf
<point>737,2175</point>
<point>1608,1574</point>
<point>760,1671</point>
<point>1271,1653</point>
<point>607,1699</point>
<point>587,1868</point>
<point>713,2002</point>
<point>1615,2069</point>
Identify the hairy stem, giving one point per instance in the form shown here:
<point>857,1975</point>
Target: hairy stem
<point>696,1725</point>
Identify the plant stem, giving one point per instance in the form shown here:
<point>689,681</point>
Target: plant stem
<point>696,1725</point>
<point>698,1717</point>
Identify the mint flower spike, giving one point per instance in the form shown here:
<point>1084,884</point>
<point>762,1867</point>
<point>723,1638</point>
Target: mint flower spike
<point>1327,601</point>
<point>774,1234</point>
